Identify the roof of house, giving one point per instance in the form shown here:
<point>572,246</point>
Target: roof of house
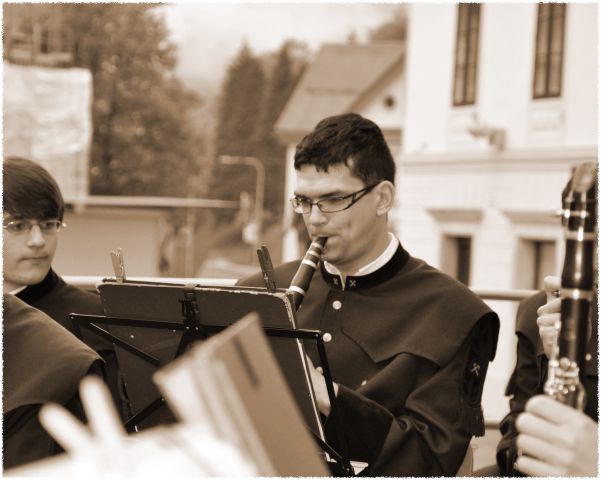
<point>338,77</point>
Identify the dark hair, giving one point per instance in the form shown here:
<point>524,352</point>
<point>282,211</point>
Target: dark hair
<point>351,140</point>
<point>29,191</point>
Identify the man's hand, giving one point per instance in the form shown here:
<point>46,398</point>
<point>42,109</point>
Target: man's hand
<point>549,319</point>
<point>319,387</point>
<point>556,440</point>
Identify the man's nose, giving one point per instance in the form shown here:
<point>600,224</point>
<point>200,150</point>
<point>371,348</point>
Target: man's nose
<point>316,216</point>
<point>36,237</point>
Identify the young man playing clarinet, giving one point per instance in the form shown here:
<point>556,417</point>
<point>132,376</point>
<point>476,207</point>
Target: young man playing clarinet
<point>407,345</point>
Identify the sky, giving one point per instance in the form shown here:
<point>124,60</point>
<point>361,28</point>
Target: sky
<point>209,35</point>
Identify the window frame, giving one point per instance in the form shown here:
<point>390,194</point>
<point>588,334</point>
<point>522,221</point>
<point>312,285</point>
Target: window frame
<point>467,46</point>
<point>545,66</point>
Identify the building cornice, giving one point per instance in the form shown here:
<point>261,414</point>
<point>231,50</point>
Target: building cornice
<point>558,157</point>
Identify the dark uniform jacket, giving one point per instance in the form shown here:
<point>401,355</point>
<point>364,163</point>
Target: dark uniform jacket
<point>529,376</point>
<point>42,363</point>
<point>409,347</point>
<point>58,299</point>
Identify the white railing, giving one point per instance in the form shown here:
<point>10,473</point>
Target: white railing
<point>89,282</point>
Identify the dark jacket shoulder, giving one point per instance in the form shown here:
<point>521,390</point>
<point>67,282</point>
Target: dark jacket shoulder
<point>43,362</point>
<point>58,299</point>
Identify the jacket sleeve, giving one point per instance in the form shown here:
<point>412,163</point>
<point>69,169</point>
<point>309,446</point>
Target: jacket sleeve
<point>427,435</point>
<point>24,438</point>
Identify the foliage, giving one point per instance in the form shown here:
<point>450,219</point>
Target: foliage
<point>271,151</point>
<point>393,30</point>
<point>143,141</point>
<point>240,106</point>
<point>237,119</point>
<point>254,94</point>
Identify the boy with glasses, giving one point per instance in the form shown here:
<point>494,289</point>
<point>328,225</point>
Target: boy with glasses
<point>408,346</point>
<point>33,209</point>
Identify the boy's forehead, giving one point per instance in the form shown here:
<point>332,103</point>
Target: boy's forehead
<point>338,178</point>
<point>20,216</point>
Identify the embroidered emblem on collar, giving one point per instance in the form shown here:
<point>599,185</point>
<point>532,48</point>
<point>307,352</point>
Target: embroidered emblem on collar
<point>386,272</point>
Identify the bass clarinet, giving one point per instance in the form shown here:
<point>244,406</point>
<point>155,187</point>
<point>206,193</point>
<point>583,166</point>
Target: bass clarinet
<point>577,282</point>
<point>302,279</point>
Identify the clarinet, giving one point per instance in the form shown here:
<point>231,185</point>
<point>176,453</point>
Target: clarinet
<point>577,285</point>
<point>302,278</point>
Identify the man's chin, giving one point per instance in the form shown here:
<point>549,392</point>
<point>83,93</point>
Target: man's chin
<point>330,257</point>
<point>33,277</point>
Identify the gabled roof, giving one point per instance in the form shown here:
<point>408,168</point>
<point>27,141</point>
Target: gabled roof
<point>336,80</point>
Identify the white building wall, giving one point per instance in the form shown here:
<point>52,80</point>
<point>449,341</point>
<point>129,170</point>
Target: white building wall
<point>429,64</point>
<point>375,108</point>
<point>581,75</point>
<point>505,72</point>
<point>290,245</point>
<point>137,233</point>
<point>507,35</point>
<point>451,183</point>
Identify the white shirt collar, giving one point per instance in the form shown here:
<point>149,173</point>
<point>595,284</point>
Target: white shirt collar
<point>17,290</point>
<point>371,267</point>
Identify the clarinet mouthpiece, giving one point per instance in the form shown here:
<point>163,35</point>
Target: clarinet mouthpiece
<point>302,279</point>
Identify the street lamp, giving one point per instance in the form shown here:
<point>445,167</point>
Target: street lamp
<point>259,188</point>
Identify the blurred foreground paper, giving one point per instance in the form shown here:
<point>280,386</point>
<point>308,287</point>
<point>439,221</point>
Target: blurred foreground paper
<point>166,452</point>
<point>237,419</point>
<point>243,398</point>
<point>101,448</point>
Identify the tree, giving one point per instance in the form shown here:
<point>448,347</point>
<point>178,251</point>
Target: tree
<point>393,30</point>
<point>143,142</point>
<point>284,76</point>
<point>254,94</point>
<point>240,106</point>
<point>238,115</point>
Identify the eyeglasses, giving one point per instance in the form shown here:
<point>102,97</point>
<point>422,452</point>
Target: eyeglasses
<point>49,227</point>
<point>330,204</point>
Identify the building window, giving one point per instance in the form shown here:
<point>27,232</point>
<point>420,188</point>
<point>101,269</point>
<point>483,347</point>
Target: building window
<point>457,257</point>
<point>536,260</point>
<point>466,54</point>
<point>548,60</point>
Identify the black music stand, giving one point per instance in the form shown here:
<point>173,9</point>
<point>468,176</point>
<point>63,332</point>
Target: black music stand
<point>136,313</point>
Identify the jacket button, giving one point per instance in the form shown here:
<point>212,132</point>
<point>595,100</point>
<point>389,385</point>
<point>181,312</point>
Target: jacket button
<point>336,304</point>
<point>327,337</point>
<point>588,357</point>
<point>364,382</point>
<point>319,369</point>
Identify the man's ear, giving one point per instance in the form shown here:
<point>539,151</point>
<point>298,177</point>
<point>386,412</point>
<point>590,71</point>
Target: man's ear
<point>386,193</point>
